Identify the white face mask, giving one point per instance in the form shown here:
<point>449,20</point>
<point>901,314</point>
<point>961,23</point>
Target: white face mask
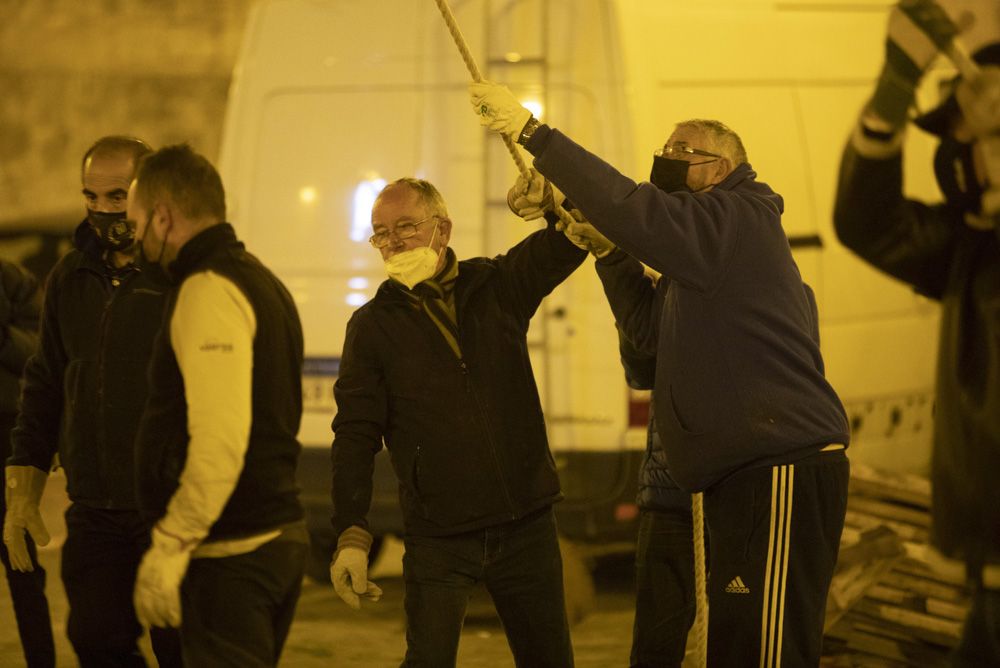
<point>413,266</point>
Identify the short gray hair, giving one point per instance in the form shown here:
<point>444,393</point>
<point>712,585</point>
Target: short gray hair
<point>425,190</point>
<point>721,138</point>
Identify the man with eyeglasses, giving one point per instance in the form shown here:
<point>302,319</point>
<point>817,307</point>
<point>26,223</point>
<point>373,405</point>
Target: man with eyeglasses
<point>742,406</point>
<point>436,367</point>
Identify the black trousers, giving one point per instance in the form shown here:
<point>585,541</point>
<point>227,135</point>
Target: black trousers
<point>520,564</point>
<point>237,611</point>
<point>775,533</point>
<point>99,562</point>
<point>664,588</point>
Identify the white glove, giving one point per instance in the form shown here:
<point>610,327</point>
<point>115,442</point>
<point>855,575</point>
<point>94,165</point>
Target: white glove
<point>349,572</point>
<point>24,487</point>
<point>531,199</point>
<point>498,109</point>
<point>157,596</point>
<point>585,236</point>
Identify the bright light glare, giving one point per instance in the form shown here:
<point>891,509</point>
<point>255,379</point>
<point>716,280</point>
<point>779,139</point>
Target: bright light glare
<point>307,195</point>
<point>534,106</point>
<point>512,57</point>
<point>361,215</point>
<point>357,283</point>
<point>356,298</point>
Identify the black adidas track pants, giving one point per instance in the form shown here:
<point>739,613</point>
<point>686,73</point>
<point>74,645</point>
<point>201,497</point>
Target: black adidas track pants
<point>775,533</point>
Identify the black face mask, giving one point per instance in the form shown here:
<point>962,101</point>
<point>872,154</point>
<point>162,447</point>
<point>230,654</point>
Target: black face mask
<point>956,176</point>
<point>112,229</point>
<point>669,174</point>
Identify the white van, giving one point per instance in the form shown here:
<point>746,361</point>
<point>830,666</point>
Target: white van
<point>332,98</point>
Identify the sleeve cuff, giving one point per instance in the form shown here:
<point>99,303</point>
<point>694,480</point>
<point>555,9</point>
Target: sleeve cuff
<point>354,536</point>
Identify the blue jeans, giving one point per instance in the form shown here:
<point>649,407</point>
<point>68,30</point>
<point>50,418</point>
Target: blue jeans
<point>664,588</point>
<point>237,611</point>
<point>520,565</point>
<point>980,643</point>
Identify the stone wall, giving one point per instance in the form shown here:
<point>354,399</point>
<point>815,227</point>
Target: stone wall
<point>74,70</point>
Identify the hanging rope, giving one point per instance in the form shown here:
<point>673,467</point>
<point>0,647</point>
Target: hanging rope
<point>470,64</point>
<point>701,616</point>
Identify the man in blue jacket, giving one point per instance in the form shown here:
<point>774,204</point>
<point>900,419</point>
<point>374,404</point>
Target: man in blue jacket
<point>436,367</point>
<point>742,406</point>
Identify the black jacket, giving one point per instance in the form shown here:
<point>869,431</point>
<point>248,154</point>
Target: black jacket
<point>932,249</point>
<point>20,309</point>
<point>657,489</point>
<point>466,436</point>
<point>84,390</point>
<point>266,495</point>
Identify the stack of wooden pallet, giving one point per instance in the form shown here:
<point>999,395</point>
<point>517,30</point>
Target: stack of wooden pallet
<point>891,603</point>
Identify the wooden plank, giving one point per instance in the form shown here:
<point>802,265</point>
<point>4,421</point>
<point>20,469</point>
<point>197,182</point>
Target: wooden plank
<point>923,586</point>
<point>890,511</point>
<point>926,627</point>
<point>902,487</point>
<point>912,601</point>
<point>858,522</point>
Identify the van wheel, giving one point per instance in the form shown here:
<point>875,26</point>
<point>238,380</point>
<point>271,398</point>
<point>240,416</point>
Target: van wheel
<point>578,584</point>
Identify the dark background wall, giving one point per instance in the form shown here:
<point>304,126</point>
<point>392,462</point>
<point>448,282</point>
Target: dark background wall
<point>74,70</point>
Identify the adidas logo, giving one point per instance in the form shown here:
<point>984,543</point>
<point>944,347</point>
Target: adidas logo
<point>736,586</point>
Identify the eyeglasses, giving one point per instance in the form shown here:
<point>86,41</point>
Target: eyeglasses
<point>402,230</point>
<point>681,149</point>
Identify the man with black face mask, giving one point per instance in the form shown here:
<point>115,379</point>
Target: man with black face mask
<point>742,407</point>
<point>83,396</point>
<point>949,252</point>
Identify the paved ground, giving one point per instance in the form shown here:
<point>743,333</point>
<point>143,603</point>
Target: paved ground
<point>327,633</point>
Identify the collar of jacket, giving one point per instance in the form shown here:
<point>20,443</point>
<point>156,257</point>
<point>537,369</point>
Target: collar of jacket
<point>85,241</point>
<point>200,247</point>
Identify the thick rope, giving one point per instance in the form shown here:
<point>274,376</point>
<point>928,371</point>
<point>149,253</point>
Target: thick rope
<point>701,616</point>
<point>470,64</point>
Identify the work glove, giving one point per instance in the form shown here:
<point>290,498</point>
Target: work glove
<point>530,199</point>
<point>585,236</point>
<point>498,109</point>
<point>157,595</point>
<point>917,31</point>
<point>24,487</point>
<point>349,569</point>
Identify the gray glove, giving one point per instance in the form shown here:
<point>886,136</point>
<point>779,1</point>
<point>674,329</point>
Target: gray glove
<point>530,199</point>
<point>585,236</point>
<point>918,30</point>
<point>24,487</point>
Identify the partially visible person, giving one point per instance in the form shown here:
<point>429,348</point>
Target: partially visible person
<point>948,251</point>
<point>83,396</point>
<point>665,601</point>
<point>20,307</point>
<point>436,368</point>
<point>742,405</point>
<point>217,447</point>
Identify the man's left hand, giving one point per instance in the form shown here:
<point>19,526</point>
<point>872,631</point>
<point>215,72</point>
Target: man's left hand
<point>498,109</point>
<point>157,595</point>
<point>586,236</point>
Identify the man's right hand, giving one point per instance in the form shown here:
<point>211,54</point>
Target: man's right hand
<point>531,198</point>
<point>23,489</point>
<point>917,31</point>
